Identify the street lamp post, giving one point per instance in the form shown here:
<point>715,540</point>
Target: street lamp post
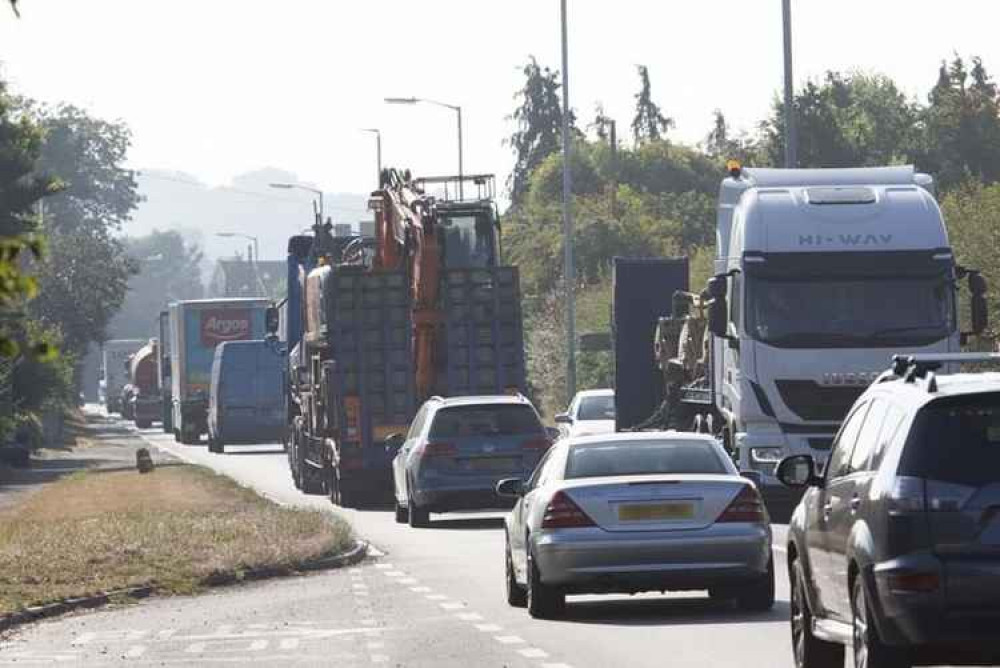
<point>567,214</point>
<point>378,152</point>
<point>249,237</point>
<point>458,111</point>
<point>299,186</point>
<point>791,135</point>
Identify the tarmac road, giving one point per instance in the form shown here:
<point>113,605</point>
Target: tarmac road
<point>433,597</point>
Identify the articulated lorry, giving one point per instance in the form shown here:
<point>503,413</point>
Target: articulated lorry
<point>375,327</point>
<point>114,370</point>
<point>196,328</point>
<point>820,277</point>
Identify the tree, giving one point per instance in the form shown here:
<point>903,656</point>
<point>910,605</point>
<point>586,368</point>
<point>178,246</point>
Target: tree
<point>649,123</point>
<point>962,126</point>
<point>22,187</point>
<point>85,275</point>
<point>538,125</point>
<point>722,145</point>
<point>851,120</point>
<point>168,270</point>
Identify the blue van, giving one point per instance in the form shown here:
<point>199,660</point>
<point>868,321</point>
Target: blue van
<point>246,403</point>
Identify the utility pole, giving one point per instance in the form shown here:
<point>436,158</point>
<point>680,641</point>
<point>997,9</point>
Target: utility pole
<point>791,134</point>
<point>569,280</point>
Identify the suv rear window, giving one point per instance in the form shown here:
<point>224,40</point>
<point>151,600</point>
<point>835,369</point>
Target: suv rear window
<point>956,440</point>
<point>495,420</point>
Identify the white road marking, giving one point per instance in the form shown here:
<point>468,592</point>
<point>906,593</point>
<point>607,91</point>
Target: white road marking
<point>420,590</point>
<point>452,605</point>
<point>376,645</point>
<point>361,593</point>
<point>489,628</point>
<point>135,651</point>
<point>408,581</point>
<point>436,597</point>
<point>379,658</point>
<point>384,567</point>
<point>289,643</point>
<point>509,640</point>
<point>533,653</point>
<point>470,617</point>
<point>368,622</point>
<point>556,665</point>
<point>393,574</point>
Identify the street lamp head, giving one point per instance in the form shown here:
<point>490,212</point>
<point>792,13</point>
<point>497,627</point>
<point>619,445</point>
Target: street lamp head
<point>226,235</point>
<point>373,130</point>
<point>283,186</point>
<point>401,100</point>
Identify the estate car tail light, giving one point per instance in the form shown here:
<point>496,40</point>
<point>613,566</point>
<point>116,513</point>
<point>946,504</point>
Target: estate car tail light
<point>746,507</point>
<point>538,444</point>
<point>563,513</point>
<point>922,583</point>
<point>439,450</point>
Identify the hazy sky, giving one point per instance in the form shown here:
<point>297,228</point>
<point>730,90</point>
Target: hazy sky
<point>220,87</point>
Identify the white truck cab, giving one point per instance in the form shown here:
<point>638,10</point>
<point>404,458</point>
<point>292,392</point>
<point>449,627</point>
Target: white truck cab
<point>821,276</point>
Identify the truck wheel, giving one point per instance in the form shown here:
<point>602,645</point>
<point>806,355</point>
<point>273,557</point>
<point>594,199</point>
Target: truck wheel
<point>215,445</point>
<point>418,517</point>
<point>333,484</point>
<point>402,514</point>
<point>189,436</point>
<point>312,480</point>
<point>143,424</point>
<point>177,435</point>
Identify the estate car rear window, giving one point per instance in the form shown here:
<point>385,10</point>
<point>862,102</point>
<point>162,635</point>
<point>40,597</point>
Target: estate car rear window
<point>642,458</point>
<point>495,420</point>
<point>956,440</point>
<point>597,408</point>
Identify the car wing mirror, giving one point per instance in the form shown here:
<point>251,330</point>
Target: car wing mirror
<point>798,472</point>
<point>563,418</point>
<point>511,488</point>
<point>394,442</point>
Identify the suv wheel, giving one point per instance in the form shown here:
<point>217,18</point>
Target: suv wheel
<point>869,652</point>
<point>544,602</point>
<point>418,517</point>
<point>808,650</point>
<point>516,595</point>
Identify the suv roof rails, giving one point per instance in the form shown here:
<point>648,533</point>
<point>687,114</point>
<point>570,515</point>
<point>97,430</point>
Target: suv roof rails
<point>909,368</point>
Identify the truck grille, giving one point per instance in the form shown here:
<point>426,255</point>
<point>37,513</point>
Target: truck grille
<point>811,401</point>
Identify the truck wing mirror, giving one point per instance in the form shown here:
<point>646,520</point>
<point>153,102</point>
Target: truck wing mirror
<point>271,320</point>
<point>977,303</point>
<point>718,317</point>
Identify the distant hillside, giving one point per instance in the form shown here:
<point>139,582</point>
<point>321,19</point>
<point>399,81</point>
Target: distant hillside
<point>175,200</point>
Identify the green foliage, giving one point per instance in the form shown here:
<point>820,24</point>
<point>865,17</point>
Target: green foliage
<point>537,125</point>
<point>852,120</point>
<point>722,145</point>
<point>649,123</point>
<point>43,381</point>
<point>168,270</point>
<point>962,126</point>
<point>972,213</point>
<point>85,275</point>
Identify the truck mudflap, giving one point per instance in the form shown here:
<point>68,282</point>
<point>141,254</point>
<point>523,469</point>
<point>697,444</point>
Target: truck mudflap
<point>484,335</point>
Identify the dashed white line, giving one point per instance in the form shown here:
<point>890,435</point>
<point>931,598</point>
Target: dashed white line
<point>407,581</point>
<point>394,574</point>
<point>436,597</point>
<point>509,640</point>
<point>135,652</point>
<point>533,653</point>
<point>379,658</point>
<point>470,617</point>
<point>384,567</point>
<point>556,665</point>
<point>489,628</point>
<point>452,605</point>
<point>420,590</point>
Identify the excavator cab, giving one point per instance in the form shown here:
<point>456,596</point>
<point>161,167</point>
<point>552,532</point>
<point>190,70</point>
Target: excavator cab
<point>468,237</point>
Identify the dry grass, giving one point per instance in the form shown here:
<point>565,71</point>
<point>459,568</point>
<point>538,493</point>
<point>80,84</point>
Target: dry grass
<point>93,532</point>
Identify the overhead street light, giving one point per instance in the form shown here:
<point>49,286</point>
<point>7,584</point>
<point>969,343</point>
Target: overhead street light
<point>299,186</point>
<point>378,150</point>
<point>250,237</point>
<point>454,107</point>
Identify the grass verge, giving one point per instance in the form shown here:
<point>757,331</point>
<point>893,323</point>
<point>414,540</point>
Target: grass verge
<point>175,528</point>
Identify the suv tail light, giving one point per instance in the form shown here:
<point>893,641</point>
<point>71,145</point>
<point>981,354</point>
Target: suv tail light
<point>539,444</point>
<point>563,513</point>
<point>907,495</point>
<point>439,450</point>
<point>746,507</point>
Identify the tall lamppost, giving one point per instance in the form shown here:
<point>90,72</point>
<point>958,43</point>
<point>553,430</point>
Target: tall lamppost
<point>256,256</point>
<point>378,152</point>
<point>791,132</point>
<point>458,111</point>
<point>567,215</point>
<point>299,186</point>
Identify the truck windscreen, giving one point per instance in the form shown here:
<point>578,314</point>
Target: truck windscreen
<point>842,312</point>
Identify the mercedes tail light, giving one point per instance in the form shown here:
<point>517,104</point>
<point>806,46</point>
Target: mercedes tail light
<point>563,513</point>
<point>746,507</point>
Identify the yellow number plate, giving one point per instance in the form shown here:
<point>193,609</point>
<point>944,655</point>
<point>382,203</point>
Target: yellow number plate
<point>652,512</point>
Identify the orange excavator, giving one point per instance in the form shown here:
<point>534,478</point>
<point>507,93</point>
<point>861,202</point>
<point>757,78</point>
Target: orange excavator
<point>377,326</point>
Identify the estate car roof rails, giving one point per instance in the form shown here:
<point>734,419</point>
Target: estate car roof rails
<point>909,368</point>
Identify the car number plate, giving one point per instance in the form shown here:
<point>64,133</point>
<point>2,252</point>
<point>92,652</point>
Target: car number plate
<point>493,464</point>
<point>652,512</point>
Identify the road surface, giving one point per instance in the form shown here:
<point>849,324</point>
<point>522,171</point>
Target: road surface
<point>434,597</point>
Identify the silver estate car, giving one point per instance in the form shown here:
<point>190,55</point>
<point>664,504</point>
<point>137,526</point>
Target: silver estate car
<point>632,512</point>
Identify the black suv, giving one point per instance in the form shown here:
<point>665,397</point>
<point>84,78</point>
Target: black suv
<point>894,550</point>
